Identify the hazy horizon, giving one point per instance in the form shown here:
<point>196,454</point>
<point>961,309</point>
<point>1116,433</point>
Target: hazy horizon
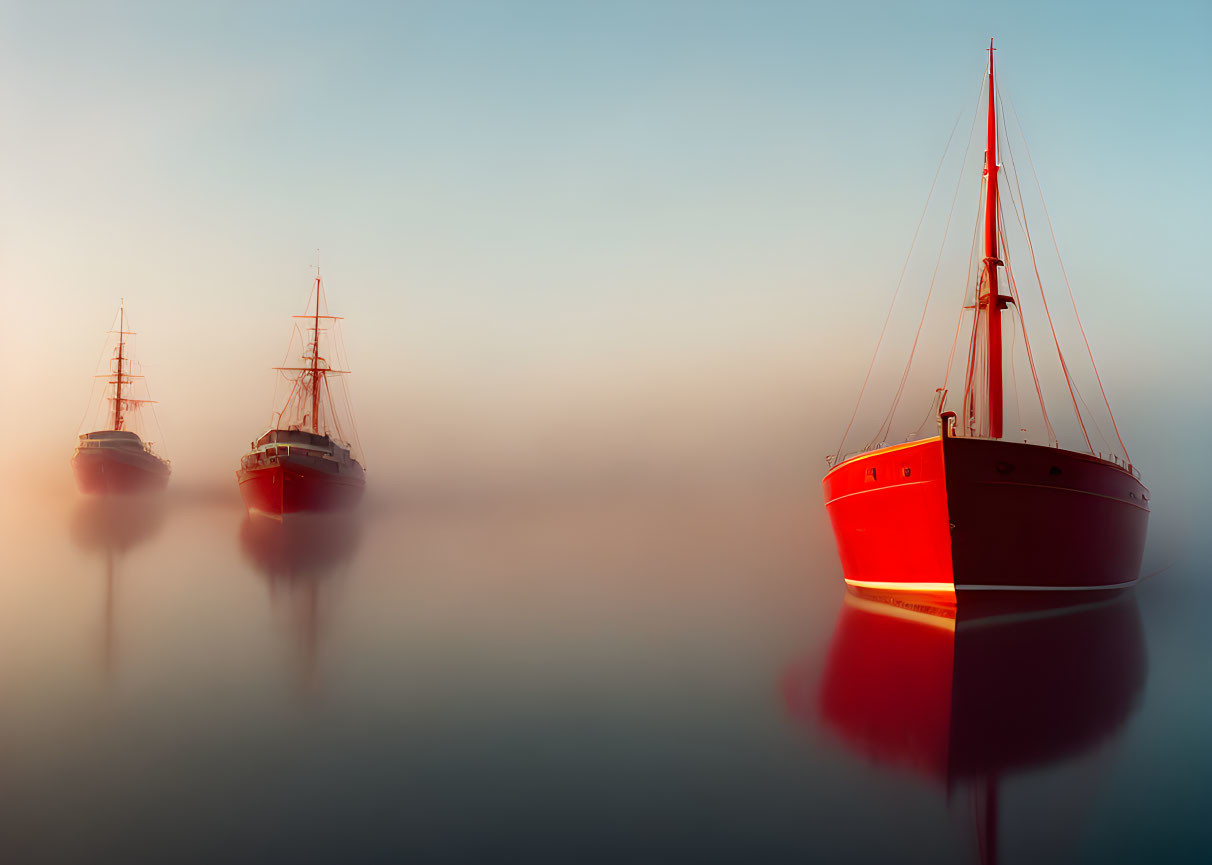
<point>554,235</point>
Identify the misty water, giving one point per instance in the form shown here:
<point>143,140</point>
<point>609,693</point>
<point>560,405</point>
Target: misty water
<point>610,672</point>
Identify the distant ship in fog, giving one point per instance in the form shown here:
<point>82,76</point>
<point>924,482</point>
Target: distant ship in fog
<point>116,459</point>
<point>305,463</point>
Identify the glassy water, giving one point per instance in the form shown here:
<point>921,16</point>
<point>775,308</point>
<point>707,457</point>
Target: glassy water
<point>569,677</point>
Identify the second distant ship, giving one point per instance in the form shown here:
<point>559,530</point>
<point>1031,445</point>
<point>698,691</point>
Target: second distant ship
<point>305,464</point>
<point>115,458</point>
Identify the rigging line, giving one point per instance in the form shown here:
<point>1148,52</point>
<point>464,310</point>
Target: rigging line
<point>1019,209</point>
<point>1039,392</point>
<point>1018,405</point>
<point>294,331</point>
<point>1059,354</point>
<point>347,439</point>
<point>338,340</point>
<point>346,389</point>
<point>897,291</point>
<point>980,374</point>
<point>1022,320</point>
<point>162,439</point>
<point>1035,266</point>
<point>1018,307</point>
<point>970,371</point>
<point>96,379</point>
<point>888,421</point>
<point>332,412</point>
<point>976,231</point>
<point>347,404</point>
<point>1065,274</point>
<point>290,399</point>
<point>274,412</point>
<point>917,430</point>
<point>970,365</point>
<point>357,438</point>
<point>959,324</point>
<point>1101,438</point>
<point>925,309</point>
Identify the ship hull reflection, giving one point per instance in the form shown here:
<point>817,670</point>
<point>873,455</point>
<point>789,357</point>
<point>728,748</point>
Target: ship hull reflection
<point>113,526</point>
<point>967,695</point>
<point>297,557</point>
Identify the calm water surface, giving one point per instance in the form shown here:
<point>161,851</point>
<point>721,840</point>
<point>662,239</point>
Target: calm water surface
<point>572,677</point>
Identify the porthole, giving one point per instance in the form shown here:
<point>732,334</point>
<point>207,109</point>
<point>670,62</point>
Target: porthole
<point>906,471</point>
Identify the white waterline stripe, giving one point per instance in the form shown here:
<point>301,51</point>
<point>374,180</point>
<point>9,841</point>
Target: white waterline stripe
<point>906,587</point>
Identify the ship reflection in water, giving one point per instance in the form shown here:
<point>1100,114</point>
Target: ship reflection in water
<point>968,696</point>
<point>298,556</point>
<point>113,526</point>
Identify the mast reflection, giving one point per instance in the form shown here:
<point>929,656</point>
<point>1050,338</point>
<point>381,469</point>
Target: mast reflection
<point>113,526</point>
<point>967,696</point>
<point>297,556</point>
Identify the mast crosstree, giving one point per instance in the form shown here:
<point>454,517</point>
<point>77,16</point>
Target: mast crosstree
<point>120,378</point>
<point>311,379</point>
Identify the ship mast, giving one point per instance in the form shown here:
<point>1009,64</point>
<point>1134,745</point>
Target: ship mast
<point>315,361</point>
<point>989,299</point>
<point>121,346</point>
<point>311,375</point>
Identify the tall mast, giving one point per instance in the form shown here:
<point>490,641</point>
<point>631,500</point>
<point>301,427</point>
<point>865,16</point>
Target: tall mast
<point>315,362</point>
<point>990,299</point>
<point>311,375</point>
<point>121,346</point>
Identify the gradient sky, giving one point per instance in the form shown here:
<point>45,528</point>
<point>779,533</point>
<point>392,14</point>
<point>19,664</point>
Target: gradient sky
<point>540,218</point>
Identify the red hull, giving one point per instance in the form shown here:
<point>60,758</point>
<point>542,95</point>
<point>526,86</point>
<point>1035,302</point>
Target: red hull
<point>290,487</point>
<point>104,471</point>
<point>986,514</point>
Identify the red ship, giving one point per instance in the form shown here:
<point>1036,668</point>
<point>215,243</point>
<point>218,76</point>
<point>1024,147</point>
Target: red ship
<point>970,509</point>
<point>116,459</point>
<point>305,464</point>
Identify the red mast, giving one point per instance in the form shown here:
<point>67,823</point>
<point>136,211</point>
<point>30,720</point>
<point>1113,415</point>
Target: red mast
<point>989,298</point>
<point>121,338</point>
<point>315,361</point>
